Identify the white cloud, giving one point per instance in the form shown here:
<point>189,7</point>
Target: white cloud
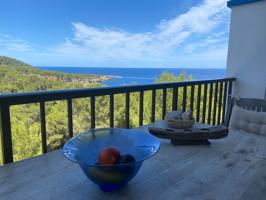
<point>216,40</point>
<point>10,43</point>
<point>164,44</point>
<point>195,38</point>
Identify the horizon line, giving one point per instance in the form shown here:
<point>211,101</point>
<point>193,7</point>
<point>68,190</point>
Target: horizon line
<point>136,67</point>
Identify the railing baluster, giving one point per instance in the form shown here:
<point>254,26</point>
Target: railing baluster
<point>204,103</point>
<point>175,98</point>
<point>92,111</point>
<point>153,105</point>
<point>111,110</point>
<point>198,103</point>
<point>141,96</point>
<point>215,104</point>
<point>184,101</point>
<point>230,89</point>
<point>43,127</point>
<point>192,98</point>
<point>210,104</point>
<point>164,103</point>
<point>220,102</point>
<point>127,109</point>
<point>70,117</point>
<point>5,133</point>
<point>227,121</point>
<point>224,100</point>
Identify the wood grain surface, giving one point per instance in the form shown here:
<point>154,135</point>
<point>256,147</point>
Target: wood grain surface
<point>229,169</point>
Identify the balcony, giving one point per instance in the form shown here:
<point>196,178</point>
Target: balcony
<point>229,168</point>
<point>192,172</point>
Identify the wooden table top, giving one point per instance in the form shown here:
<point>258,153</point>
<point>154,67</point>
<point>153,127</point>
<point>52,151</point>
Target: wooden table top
<point>230,168</point>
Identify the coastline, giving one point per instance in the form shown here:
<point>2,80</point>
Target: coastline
<point>90,80</point>
<point>99,79</point>
<point>129,76</point>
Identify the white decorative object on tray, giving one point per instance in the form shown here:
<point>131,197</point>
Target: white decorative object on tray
<point>179,120</point>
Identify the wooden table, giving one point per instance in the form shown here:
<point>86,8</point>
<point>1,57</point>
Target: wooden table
<point>230,168</point>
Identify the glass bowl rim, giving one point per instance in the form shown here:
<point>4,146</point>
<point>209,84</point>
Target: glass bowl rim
<point>116,165</point>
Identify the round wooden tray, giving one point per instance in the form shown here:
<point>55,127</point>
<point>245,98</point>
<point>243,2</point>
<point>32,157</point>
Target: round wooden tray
<point>195,135</point>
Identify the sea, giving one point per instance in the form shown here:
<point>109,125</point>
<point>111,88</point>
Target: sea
<point>129,76</point>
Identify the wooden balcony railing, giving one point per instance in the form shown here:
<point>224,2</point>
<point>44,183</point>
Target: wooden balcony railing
<point>211,99</point>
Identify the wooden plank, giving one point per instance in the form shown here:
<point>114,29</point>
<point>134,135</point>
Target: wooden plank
<point>141,96</point>
<point>127,109</point>
<point>70,118</point>
<point>153,105</point>
<point>111,110</point>
<point>43,127</point>
<point>227,178</point>
<point>164,103</point>
<point>256,190</point>
<point>92,102</point>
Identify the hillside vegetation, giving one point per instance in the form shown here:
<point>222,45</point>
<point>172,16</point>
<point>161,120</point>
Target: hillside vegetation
<point>16,76</point>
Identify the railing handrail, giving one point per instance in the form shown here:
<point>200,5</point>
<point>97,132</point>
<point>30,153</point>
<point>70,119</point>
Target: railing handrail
<point>54,95</point>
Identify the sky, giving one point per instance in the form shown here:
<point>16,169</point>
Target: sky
<point>116,33</point>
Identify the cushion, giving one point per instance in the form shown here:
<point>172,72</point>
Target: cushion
<point>248,120</point>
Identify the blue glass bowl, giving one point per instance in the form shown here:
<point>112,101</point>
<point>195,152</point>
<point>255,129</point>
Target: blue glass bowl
<point>84,149</point>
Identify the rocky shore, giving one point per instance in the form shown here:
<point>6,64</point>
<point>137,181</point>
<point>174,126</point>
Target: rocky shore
<point>97,79</point>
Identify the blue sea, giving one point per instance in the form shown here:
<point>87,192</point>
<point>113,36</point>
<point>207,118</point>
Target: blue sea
<point>127,76</point>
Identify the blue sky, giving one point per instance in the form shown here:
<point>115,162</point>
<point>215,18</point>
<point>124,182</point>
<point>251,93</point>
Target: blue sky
<point>116,33</point>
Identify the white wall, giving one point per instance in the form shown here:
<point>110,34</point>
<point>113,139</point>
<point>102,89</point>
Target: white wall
<point>247,50</point>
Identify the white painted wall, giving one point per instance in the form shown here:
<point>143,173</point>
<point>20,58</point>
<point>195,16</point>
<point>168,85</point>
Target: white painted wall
<point>247,50</point>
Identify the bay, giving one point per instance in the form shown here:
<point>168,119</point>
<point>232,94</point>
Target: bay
<point>128,76</point>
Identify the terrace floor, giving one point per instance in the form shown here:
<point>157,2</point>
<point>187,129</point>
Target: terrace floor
<point>230,168</point>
